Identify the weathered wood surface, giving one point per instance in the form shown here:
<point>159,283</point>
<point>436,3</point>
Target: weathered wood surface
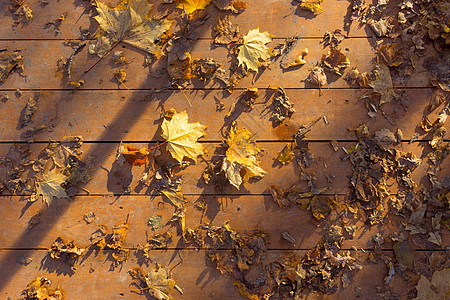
<point>41,67</point>
<point>109,178</point>
<point>197,278</point>
<point>135,115</point>
<point>281,18</point>
<point>64,218</point>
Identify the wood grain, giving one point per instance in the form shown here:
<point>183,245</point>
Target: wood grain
<point>109,178</point>
<point>135,115</point>
<point>281,18</point>
<point>197,279</point>
<point>41,67</point>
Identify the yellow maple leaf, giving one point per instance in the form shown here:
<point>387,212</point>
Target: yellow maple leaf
<point>128,22</point>
<point>254,48</point>
<point>311,5</point>
<point>182,137</point>
<point>241,154</point>
<point>192,5</point>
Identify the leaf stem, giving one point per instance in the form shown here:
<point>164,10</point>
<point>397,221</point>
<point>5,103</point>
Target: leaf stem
<point>101,57</point>
<point>157,146</point>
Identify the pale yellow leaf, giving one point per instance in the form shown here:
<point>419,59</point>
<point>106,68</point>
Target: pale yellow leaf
<point>254,48</point>
<point>182,137</point>
<point>241,155</point>
<point>128,22</point>
<point>50,186</point>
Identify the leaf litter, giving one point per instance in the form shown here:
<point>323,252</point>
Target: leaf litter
<point>374,158</point>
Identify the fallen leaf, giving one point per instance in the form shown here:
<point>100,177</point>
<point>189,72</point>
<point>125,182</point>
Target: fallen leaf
<point>9,62</point>
<point>382,83</point>
<point>155,222</point>
<point>175,197</point>
<point>225,32</point>
<point>335,60</point>
<point>286,155</point>
<point>182,137</point>
<point>158,282</point>
<point>67,252</point>
<point>39,289</point>
<point>283,108</point>
<point>128,22</point>
<point>50,186</point>
<point>204,68</point>
<point>136,157</point>
<point>438,288</point>
<point>241,155</point>
<point>192,5</point>
<point>89,217</point>
<point>242,289</point>
<point>254,48</point>
<point>311,5</point>
<point>118,236</point>
<point>317,76</point>
<point>233,6</point>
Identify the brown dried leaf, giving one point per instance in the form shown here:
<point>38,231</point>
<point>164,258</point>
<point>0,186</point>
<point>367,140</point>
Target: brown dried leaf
<point>39,289</point>
<point>225,32</point>
<point>9,62</point>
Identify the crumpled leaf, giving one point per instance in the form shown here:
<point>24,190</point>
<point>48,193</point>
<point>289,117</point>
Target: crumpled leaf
<point>182,137</point>
<point>136,157</point>
<point>317,76</point>
<point>192,5</point>
<point>118,236</point>
<point>283,107</point>
<point>286,155</point>
<point>241,155</point>
<point>204,68</point>
<point>158,282</point>
<point>9,62</point>
<point>335,60</point>
<point>50,186</point>
<point>254,48</point>
<point>175,197</point>
<point>382,83</point>
<point>67,252</point>
<point>311,5</point>
<point>39,289</point>
<point>234,6</point>
<point>128,22</point>
<point>438,288</point>
<point>225,31</point>
<point>155,222</point>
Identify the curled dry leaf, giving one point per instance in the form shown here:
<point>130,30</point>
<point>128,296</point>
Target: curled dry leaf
<point>234,6</point>
<point>317,76</point>
<point>128,22</point>
<point>136,157</point>
<point>9,62</point>
<point>241,155</point>
<point>39,289</point>
<point>286,155</point>
<point>67,252</point>
<point>254,48</point>
<point>158,282</point>
<point>311,5</point>
<point>225,32</point>
<point>50,186</point>
<point>191,6</point>
<point>334,61</point>
<point>182,137</point>
<point>283,108</point>
<point>204,68</point>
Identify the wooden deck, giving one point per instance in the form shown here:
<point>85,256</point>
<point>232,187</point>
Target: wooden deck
<point>104,114</point>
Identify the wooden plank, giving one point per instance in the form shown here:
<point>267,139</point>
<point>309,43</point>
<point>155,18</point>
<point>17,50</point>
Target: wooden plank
<point>197,278</point>
<point>134,115</point>
<point>64,218</point>
<point>109,178</point>
<point>281,18</point>
<point>41,70</point>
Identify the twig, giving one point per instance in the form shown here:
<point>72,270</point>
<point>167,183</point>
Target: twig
<point>190,103</point>
<point>70,59</point>
<point>112,47</point>
<point>157,146</point>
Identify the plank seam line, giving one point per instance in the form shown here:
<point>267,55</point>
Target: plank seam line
<point>208,141</point>
<point>224,249</point>
<point>206,89</point>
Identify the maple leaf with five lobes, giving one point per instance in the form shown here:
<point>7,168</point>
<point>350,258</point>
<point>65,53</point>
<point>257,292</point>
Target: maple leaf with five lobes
<point>241,155</point>
<point>182,137</point>
<point>50,186</point>
<point>128,22</point>
<point>254,48</point>
<point>192,5</point>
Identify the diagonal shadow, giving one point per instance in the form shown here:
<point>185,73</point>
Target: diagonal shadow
<point>124,120</point>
